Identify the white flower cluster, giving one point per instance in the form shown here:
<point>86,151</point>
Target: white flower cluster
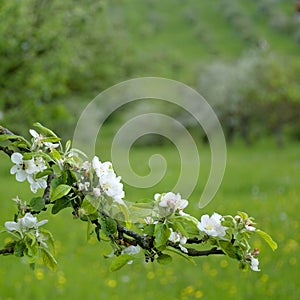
<point>108,182</point>
<point>248,224</point>
<point>24,224</point>
<point>170,202</point>
<point>252,260</point>
<point>212,225</point>
<point>38,141</point>
<point>177,237</point>
<point>27,169</point>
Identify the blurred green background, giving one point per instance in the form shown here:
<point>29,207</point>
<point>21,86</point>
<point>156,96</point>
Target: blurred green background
<point>242,56</point>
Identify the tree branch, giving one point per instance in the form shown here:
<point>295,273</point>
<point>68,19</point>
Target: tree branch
<point>6,150</point>
<point>7,251</point>
<point>195,252</point>
<point>4,130</point>
<point>46,194</point>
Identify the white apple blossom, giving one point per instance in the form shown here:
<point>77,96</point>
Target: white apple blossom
<point>132,250</point>
<point>97,192</point>
<point>112,186</point>
<point>212,225</point>
<point>37,139</point>
<point>38,183</point>
<point>86,165</point>
<point>27,169</point>
<point>149,220</point>
<point>22,167</point>
<point>25,223</point>
<point>109,183</point>
<point>101,168</point>
<point>39,164</point>
<point>177,237</point>
<point>51,146</point>
<point>254,264</point>
<point>84,186</point>
<point>248,224</point>
<point>250,227</point>
<point>171,202</point>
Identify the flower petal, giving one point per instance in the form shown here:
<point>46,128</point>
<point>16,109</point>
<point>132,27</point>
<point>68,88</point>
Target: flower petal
<point>17,158</point>
<point>21,176</point>
<point>12,226</point>
<point>33,133</point>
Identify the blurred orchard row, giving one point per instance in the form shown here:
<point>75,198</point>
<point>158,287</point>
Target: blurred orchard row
<point>56,56</point>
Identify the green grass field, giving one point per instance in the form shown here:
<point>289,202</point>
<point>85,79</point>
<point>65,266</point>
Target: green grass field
<point>261,180</point>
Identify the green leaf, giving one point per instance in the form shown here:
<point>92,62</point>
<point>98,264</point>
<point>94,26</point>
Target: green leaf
<point>149,229</point>
<point>162,234</point>
<point>55,154</point>
<point>48,259</point>
<point>188,258</point>
<point>230,250</point>
<point>68,146</point>
<point>30,238</point>
<point>119,262</point>
<point>89,229</point>
<point>19,249</point>
<point>60,191</point>
<point>37,203</point>
<point>164,259</point>
<point>48,237</point>
<point>267,238</point>
<point>44,129</point>
<point>90,204</point>
<point>61,204</point>
<point>187,225</point>
<point>44,173</point>
<point>51,139</point>
<point>55,182</point>
<point>243,215</point>
<point>108,225</point>
<point>5,137</point>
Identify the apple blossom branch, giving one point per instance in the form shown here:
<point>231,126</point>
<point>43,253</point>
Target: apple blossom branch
<point>93,190</point>
<point>146,242</point>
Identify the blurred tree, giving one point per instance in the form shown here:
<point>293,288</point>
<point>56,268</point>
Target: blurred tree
<point>257,92</point>
<point>279,96</point>
<point>52,48</point>
<point>230,88</point>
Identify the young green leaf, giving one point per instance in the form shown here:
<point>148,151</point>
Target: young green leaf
<point>48,259</point>
<point>230,250</point>
<point>5,137</point>
<point>55,154</point>
<point>44,173</point>
<point>149,229</point>
<point>108,225</point>
<point>60,191</point>
<point>37,203</point>
<point>60,204</point>
<point>119,262</point>
<point>267,238</point>
<point>44,129</point>
<point>162,234</point>
<point>188,258</point>
<point>19,249</point>
<point>48,237</point>
<point>91,204</point>
<point>164,259</point>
